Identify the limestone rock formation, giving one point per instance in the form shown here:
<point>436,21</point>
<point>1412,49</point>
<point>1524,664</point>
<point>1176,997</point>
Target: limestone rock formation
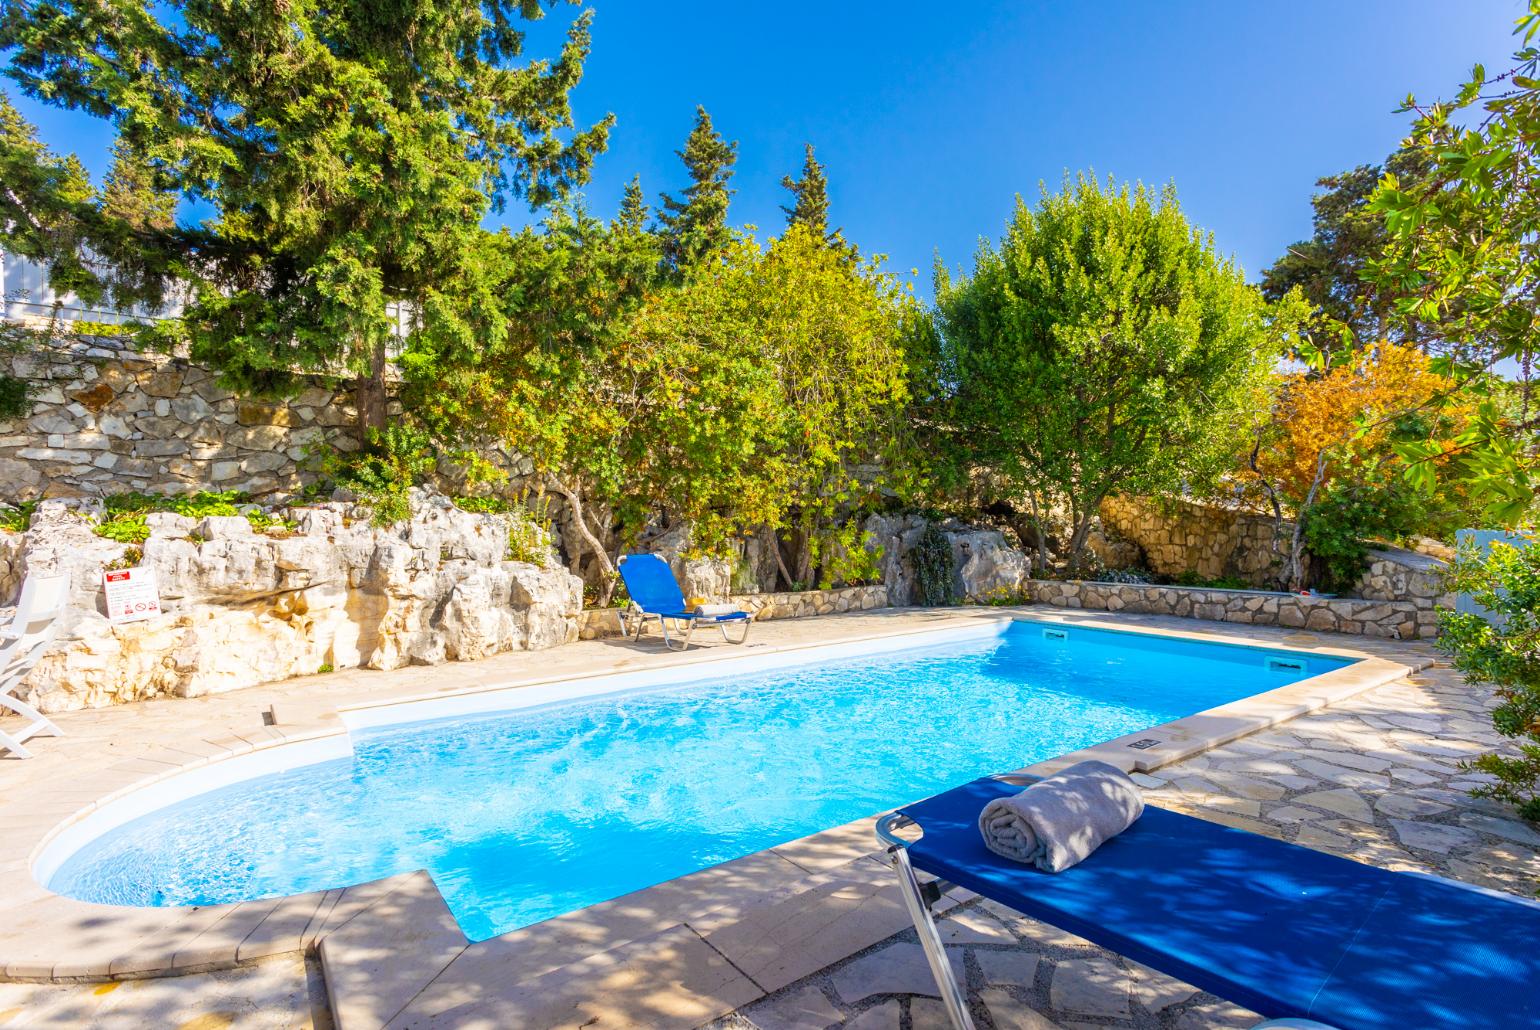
<point>246,607</point>
<point>988,566</point>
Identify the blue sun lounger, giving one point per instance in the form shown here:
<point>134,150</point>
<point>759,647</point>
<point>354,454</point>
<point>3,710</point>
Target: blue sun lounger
<point>1297,935</point>
<point>655,594</point>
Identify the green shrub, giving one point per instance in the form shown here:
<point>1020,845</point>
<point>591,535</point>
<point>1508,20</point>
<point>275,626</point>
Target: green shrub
<point>382,475</point>
<point>18,517</point>
<point>484,505</point>
<point>846,558</point>
<point>124,516</point>
<point>528,539</point>
<point>935,570</point>
<point>1503,651</point>
<point>125,529</point>
<point>15,397</point>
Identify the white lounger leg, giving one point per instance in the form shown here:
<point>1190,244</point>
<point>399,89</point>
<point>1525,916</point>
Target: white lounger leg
<point>952,996</point>
<point>11,744</point>
<point>37,722</point>
<point>745,635</point>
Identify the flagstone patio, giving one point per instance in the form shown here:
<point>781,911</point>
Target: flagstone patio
<point>1374,777</point>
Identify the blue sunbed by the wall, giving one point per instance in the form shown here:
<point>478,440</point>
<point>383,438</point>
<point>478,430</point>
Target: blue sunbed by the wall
<point>1281,929</point>
<point>655,594</point>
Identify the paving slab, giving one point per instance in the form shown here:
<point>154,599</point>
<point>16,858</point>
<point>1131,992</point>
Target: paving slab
<point>670,981</point>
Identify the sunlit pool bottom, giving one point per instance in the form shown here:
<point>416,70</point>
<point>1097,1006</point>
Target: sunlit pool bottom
<point>525,814</point>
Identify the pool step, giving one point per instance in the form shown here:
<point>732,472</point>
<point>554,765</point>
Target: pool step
<point>675,955</point>
<point>377,961</point>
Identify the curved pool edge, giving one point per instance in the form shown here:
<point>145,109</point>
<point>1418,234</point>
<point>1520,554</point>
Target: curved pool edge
<point>49,937</point>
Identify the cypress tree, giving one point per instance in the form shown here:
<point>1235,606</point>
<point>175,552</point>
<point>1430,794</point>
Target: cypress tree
<point>632,216</point>
<point>697,225</point>
<point>810,208</point>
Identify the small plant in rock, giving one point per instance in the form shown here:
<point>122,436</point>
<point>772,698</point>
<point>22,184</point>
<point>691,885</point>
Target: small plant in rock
<point>935,569</point>
<point>124,515</point>
<point>529,540</point>
<point>17,518</point>
<point>324,669</point>
<point>1502,650</point>
<point>129,559</point>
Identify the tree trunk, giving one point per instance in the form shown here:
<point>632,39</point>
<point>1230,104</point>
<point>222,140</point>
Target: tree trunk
<point>371,398</point>
<point>1296,568</point>
<point>580,522</point>
<point>1040,551</point>
<point>805,560</point>
<point>780,560</point>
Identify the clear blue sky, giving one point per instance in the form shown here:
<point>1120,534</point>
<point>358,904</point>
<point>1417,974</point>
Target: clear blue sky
<point>931,118</point>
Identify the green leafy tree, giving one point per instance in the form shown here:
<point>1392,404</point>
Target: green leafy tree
<point>834,331</point>
<point>1502,650</point>
<point>696,225</point>
<point>348,155</point>
<point>1329,269</point>
<point>537,372</point>
<point>1462,253</point>
<point>1102,346</point>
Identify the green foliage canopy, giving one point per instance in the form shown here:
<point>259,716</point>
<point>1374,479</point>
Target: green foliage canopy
<point>348,154</point>
<point>1102,346</point>
<point>1462,252</point>
<point>1330,269</point>
<point>1503,650</point>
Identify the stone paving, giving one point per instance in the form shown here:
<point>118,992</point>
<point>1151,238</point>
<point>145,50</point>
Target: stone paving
<point>282,994</point>
<point>1375,778</point>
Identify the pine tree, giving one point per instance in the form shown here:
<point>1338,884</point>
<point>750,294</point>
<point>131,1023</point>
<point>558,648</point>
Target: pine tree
<point>348,152</point>
<point>811,193</point>
<point>42,199</point>
<point>697,225</point>
<point>632,216</point>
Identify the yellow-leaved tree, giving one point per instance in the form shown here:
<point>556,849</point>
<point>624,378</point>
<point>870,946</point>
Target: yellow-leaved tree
<point>1329,456</point>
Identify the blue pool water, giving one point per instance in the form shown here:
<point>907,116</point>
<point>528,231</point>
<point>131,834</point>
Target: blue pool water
<point>523,815</point>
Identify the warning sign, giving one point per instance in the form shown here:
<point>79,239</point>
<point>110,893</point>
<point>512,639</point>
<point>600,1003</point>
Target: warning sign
<point>132,594</point>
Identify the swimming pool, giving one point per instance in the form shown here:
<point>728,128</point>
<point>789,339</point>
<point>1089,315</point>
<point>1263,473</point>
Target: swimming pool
<point>523,814</point>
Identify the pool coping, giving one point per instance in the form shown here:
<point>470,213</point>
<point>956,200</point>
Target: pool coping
<point>48,937</point>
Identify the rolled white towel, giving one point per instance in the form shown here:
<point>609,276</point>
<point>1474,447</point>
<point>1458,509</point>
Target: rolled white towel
<point>716,609</point>
<point>1059,820</point>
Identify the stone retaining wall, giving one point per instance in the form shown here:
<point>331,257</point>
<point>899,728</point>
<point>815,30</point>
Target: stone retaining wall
<point>1178,536</point>
<point>107,419</point>
<point>606,622</point>
<point>1401,620</point>
<point>1395,574</point>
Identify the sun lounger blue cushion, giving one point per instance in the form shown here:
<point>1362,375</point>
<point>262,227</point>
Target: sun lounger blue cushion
<point>650,583</point>
<point>1281,929</point>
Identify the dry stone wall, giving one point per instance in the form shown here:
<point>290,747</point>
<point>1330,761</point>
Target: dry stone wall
<point>1178,536</point>
<point>1399,619</point>
<point>608,622</point>
<point>107,419</point>
<point>1394,574</point>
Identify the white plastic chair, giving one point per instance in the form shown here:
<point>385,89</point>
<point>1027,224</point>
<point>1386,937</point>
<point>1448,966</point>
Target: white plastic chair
<point>22,643</point>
